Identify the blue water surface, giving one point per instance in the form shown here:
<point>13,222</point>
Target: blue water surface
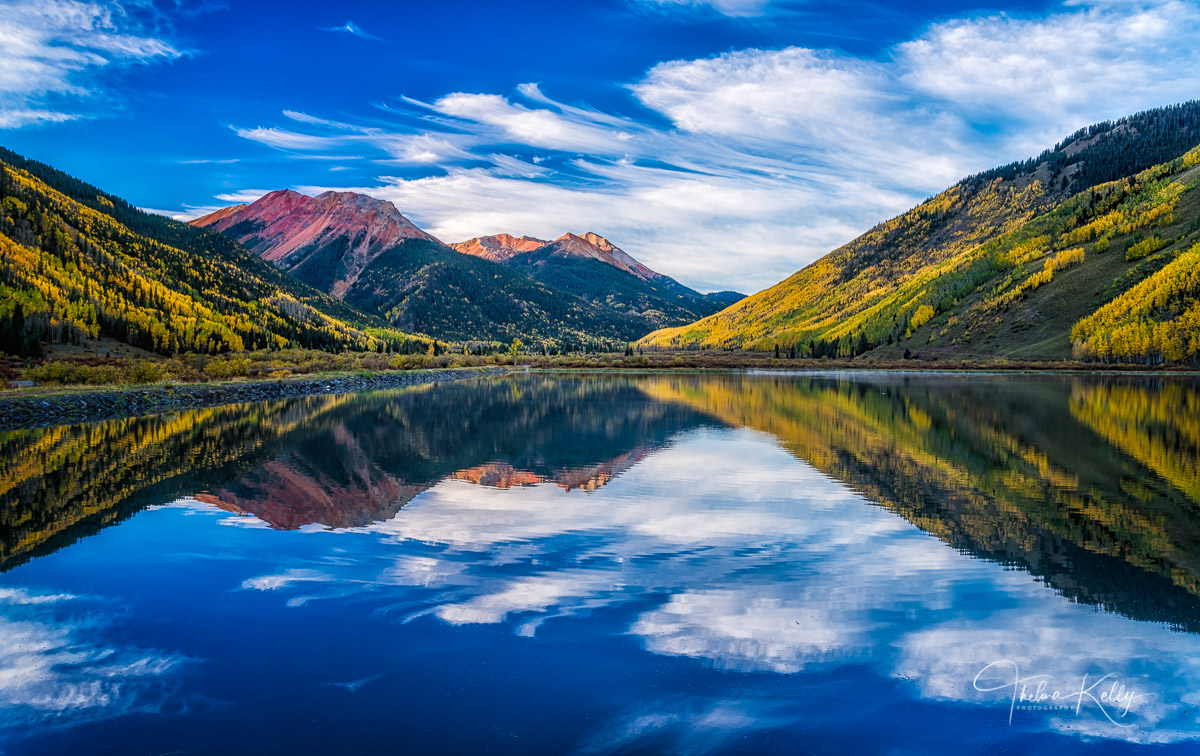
<point>599,564</point>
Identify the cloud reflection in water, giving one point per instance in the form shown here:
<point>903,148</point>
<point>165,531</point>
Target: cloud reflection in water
<point>768,566</point>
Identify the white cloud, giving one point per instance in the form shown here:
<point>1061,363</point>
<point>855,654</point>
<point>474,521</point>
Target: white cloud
<point>242,196</point>
<point>285,579</point>
<point>1104,60</point>
<point>534,127</point>
<point>817,109</point>
<point>414,149</point>
<point>1068,59</point>
<point>50,48</point>
<point>288,140</point>
<point>538,593</point>
<point>693,725</point>
<point>770,158</point>
<point>747,632</point>
<point>808,92</point>
<point>20,596</point>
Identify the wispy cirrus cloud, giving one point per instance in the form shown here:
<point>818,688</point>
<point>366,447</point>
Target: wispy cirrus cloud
<point>551,128</point>
<point>738,169</point>
<point>59,665</point>
<point>732,8</point>
<point>409,148</point>
<point>51,52</point>
<point>350,28</point>
<point>288,140</point>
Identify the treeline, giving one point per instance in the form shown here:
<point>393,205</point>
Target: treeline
<point>1116,149</point>
<point>72,271</point>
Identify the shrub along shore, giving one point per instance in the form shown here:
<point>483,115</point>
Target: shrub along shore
<point>94,370</point>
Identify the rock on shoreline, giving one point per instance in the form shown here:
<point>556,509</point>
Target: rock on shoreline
<point>103,404</point>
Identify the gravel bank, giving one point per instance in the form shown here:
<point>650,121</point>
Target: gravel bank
<point>17,411</point>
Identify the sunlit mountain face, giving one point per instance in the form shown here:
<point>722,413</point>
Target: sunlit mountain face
<point>603,564</point>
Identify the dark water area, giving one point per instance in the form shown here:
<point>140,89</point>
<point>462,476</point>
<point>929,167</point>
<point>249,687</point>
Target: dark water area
<point>601,564</point>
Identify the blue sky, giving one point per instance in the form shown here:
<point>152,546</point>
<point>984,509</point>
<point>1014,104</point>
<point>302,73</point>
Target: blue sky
<point>726,143</point>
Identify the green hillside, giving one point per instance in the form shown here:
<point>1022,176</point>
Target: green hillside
<point>1086,251</point>
<point>78,264</point>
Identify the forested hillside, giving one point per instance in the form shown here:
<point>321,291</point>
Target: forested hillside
<point>591,268</point>
<point>1051,258</point>
<point>77,264</point>
<point>423,286</point>
<point>654,303</point>
<point>1110,150</point>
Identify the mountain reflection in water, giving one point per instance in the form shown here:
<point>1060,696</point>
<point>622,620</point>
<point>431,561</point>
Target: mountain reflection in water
<point>671,500</point>
<point>339,461</point>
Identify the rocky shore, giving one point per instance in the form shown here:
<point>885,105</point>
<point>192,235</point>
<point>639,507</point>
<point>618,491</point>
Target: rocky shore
<point>18,411</point>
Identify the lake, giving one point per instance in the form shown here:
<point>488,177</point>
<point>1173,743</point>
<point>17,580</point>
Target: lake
<point>599,564</point>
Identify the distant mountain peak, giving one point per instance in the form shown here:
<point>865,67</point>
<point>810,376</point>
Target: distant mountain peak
<point>598,241</point>
<point>498,247</point>
<point>597,247</point>
<point>505,247</point>
<point>290,229</point>
<point>218,215</point>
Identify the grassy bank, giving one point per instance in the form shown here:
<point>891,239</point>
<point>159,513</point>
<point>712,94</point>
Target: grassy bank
<point>723,360</point>
<point>94,372</point>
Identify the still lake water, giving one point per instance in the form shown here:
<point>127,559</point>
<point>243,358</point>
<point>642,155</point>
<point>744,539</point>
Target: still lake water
<point>596,564</point>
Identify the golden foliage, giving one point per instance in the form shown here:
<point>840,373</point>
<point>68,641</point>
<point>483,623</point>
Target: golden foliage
<point>76,273</point>
<point>1158,320</point>
<point>971,252</point>
<point>1068,258</point>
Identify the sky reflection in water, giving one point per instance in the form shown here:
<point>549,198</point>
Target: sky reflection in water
<point>597,565</point>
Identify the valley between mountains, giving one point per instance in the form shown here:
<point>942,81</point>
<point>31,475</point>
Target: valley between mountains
<point>572,290</point>
<point>1089,252</point>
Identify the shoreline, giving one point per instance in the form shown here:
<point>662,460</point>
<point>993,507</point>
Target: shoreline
<point>877,370</point>
<point>82,404</point>
<point>47,406</point>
